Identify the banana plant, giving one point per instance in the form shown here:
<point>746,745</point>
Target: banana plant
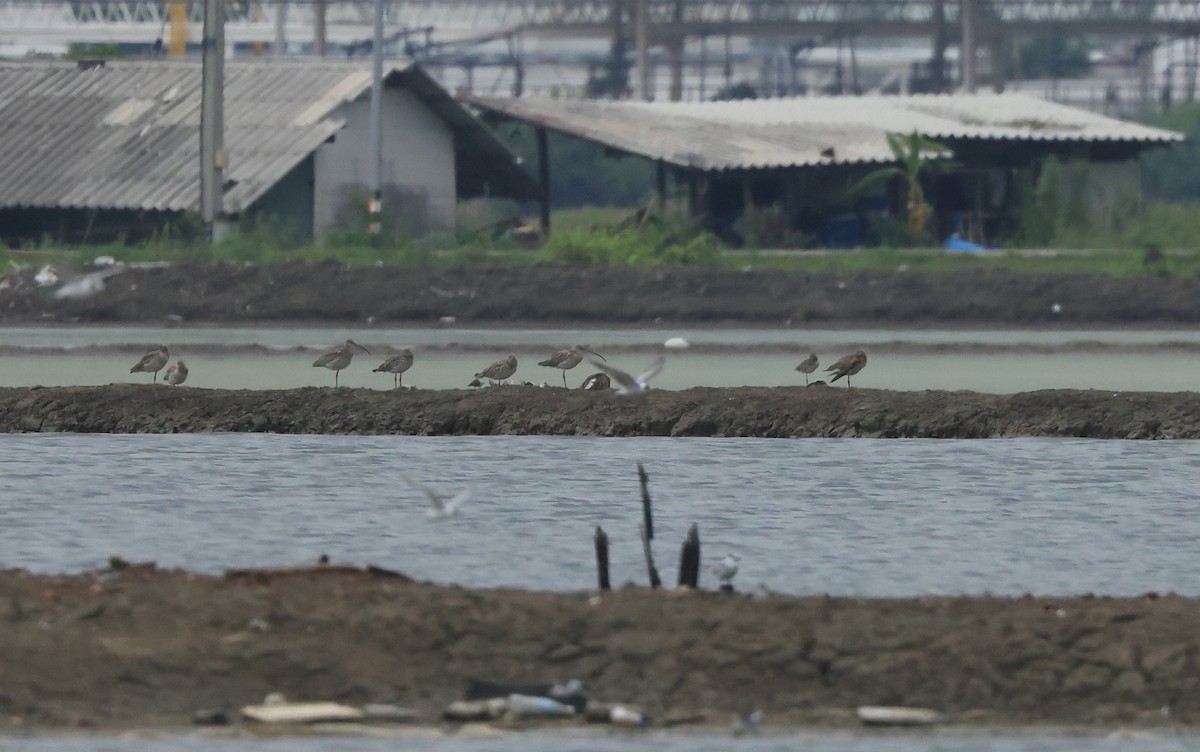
<point>916,155</point>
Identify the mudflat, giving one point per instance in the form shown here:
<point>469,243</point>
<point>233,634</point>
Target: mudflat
<point>773,412</point>
<point>337,294</point>
<point>147,647</point>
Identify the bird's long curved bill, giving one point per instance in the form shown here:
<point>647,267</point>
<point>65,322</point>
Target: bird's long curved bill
<point>360,347</point>
<point>593,352</point>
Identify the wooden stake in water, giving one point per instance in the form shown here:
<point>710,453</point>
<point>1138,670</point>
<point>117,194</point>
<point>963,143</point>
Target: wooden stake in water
<point>648,528</point>
<point>655,581</point>
<point>689,559</point>
<point>647,517</point>
<point>602,558</point>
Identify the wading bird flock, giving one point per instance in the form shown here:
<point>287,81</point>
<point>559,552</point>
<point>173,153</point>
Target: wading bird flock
<point>337,358</point>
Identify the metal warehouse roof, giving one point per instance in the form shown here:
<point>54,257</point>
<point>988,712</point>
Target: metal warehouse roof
<point>793,132</point>
<point>125,135</point>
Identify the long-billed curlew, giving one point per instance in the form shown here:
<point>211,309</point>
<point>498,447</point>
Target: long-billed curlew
<point>848,366</point>
<point>630,386</point>
<point>500,370</point>
<point>397,365</point>
<point>152,362</point>
<point>338,358</point>
<point>568,359</point>
<point>807,366</point>
<point>176,374</point>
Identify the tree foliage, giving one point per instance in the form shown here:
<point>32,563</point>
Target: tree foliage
<point>1172,173</point>
<point>1056,53</point>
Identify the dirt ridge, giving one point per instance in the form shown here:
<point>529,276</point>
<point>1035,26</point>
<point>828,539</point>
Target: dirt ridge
<point>774,412</point>
<point>147,647</point>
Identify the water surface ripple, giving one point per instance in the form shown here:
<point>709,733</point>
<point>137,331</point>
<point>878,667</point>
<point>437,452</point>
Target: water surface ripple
<point>849,517</point>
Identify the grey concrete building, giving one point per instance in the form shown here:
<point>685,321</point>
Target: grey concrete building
<point>97,152</point>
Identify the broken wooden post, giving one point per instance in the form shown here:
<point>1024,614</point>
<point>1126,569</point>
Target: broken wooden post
<point>647,517</point>
<point>602,558</point>
<point>648,528</point>
<point>689,559</point>
<point>655,582</point>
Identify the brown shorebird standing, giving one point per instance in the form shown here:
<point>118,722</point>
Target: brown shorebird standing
<point>807,366</point>
<point>397,365</point>
<point>500,370</point>
<point>568,359</point>
<point>338,358</point>
<point>152,362</point>
<point>176,374</point>
<point>848,366</point>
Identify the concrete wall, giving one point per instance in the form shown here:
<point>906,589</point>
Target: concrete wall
<point>418,167</point>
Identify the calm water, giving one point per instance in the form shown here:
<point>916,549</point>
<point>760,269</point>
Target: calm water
<point>265,357</point>
<point>591,742</point>
<point>849,517</point>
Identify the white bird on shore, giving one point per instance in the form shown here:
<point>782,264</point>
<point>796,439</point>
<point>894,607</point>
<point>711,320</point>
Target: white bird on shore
<point>176,374</point>
<point>440,506</point>
<point>677,343</point>
<point>630,386</point>
<point>727,569</point>
<point>748,724</point>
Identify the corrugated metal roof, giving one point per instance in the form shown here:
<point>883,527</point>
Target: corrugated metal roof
<point>766,133</point>
<point>126,134</point>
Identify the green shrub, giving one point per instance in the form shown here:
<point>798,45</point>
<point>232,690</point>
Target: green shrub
<point>655,243</point>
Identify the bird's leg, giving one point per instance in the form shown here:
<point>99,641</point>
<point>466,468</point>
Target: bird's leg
<point>399,380</point>
<point>564,375</point>
<point>806,379</point>
<point>335,379</point>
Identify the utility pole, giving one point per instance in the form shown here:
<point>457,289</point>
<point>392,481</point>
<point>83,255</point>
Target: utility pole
<point>281,10</point>
<point>212,117</point>
<point>375,132</point>
<point>967,11</point>
<point>641,41</point>
<point>319,28</point>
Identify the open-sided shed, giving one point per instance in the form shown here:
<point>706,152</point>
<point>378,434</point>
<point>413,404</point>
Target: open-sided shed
<point>803,154</point>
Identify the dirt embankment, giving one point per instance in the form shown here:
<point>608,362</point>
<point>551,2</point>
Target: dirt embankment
<point>753,411</point>
<point>144,647</point>
<point>557,293</point>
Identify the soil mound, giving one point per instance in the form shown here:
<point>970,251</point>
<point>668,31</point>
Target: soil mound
<point>777,412</point>
<point>142,646</point>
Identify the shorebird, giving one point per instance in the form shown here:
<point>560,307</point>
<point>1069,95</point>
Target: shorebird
<point>338,358</point>
<point>726,570</point>
<point>807,366</point>
<point>630,386</point>
<point>397,365</point>
<point>440,506</point>
<point>176,374</point>
<point>500,370</point>
<point>597,382</point>
<point>848,366</point>
<point>152,362</point>
<point>568,359</point>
